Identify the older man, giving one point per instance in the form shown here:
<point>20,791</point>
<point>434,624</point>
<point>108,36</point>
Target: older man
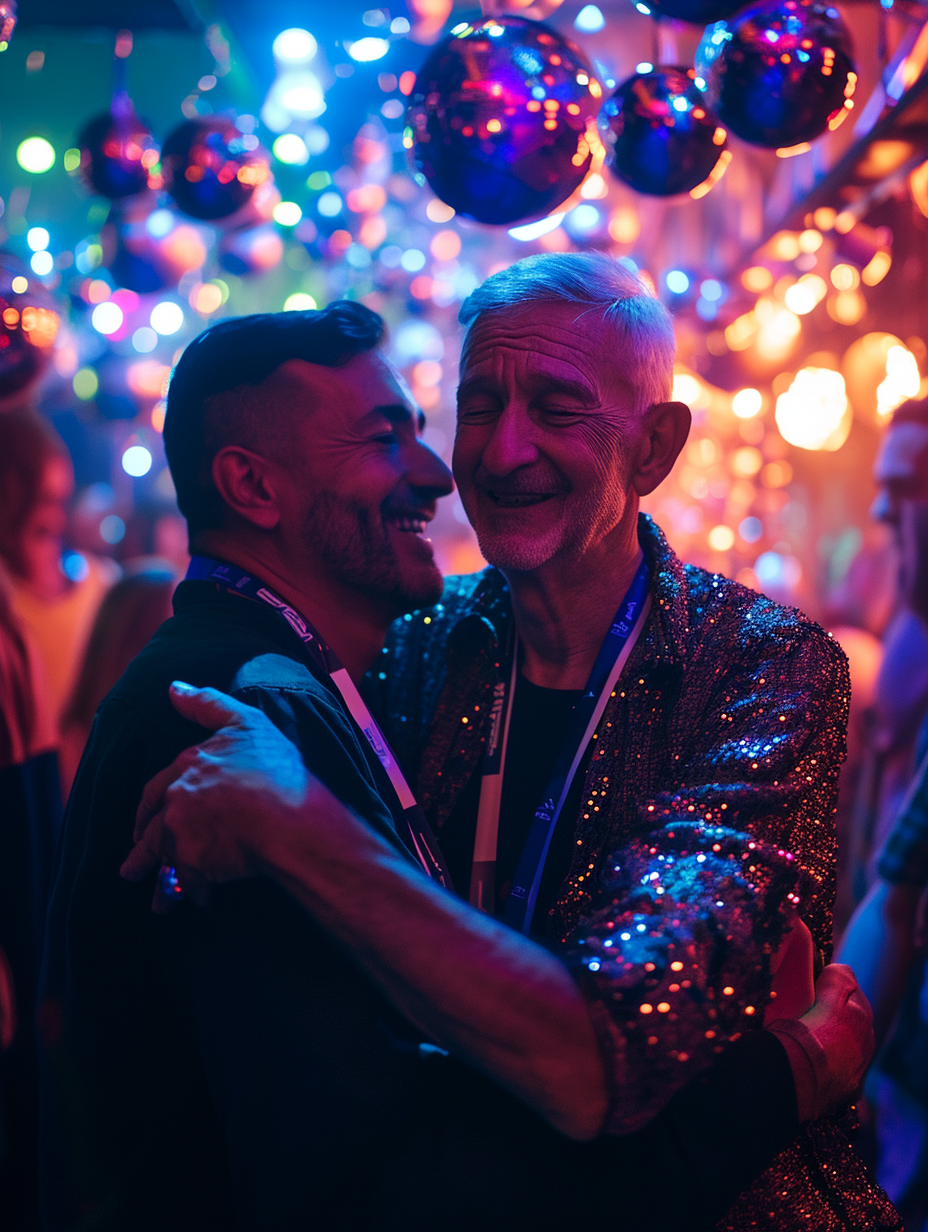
<point>588,694</point>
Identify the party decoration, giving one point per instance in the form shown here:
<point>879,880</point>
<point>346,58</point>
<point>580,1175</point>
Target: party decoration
<point>7,22</point>
<point>118,152</point>
<point>699,12</point>
<point>209,169</point>
<point>780,72</point>
<point>251,250</point>
<point>660,136</point>
<point>29,325</point>
<point>502,119</point>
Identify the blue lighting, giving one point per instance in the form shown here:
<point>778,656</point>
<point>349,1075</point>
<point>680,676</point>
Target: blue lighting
<point>711,289</point>
<point>677,282</point>
<point>644,67</point>
<point>751,529</point>
<point>589,19</point>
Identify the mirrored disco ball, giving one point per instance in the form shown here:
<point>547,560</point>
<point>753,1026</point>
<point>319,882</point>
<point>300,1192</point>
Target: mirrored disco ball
<point>779,72</point>
<point>660,135</point>
<point>209,169</point>
<point>501,122</point>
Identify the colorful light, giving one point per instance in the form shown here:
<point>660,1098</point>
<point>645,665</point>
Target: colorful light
<point>35,155</point>
<point>367,49</point>
<point>747,403</point>
<point>42,263</point>
<point>136,461</point>
<point>299,301</point>
<point>287,213</point>
<point>166,318</point>
<point>589,20</point>
<point>814,412</point>
<point>290,148</point>
<point>903,381</point>
<point>106,318</point>
<point>85,383</point>
<point>37,238</point>
<point>294,46</point>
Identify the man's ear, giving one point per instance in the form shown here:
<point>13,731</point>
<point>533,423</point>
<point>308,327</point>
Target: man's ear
<point>666,427</point>
<point>246,482</point>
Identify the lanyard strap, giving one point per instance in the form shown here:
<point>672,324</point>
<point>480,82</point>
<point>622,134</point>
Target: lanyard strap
<point>423,843</point>
<point>610,661</point>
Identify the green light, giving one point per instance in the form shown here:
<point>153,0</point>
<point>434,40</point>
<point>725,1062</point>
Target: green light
<point>319,180</point>
<point>299,302</point>
<point>35,155</point>
<point>287,213</point>
<point>72,159</point>
<point>290,148</point>
<point>85,383</point>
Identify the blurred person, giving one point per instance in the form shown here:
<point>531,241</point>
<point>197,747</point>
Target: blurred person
<point>886,939</point>
<point>36,485</point>
<point>131,611</point>
<point>30,813</point>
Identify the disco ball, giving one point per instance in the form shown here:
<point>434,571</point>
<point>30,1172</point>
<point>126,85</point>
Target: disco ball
<point>660,136</point>
<point>780,72</point>
<point>501,122</point>
<point>209,169</point>
<point>118,152</point>
<point>699,12</point>
<point>29,324</point>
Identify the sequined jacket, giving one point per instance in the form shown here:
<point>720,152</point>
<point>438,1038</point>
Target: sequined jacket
<point>707,820</point>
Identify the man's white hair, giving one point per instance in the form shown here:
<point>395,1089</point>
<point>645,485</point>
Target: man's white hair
<point>641,323</point>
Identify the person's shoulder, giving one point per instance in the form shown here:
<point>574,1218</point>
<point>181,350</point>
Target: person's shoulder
<point>755,623</point>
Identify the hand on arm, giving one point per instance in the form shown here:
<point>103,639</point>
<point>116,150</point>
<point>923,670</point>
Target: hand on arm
<point>243,803</point>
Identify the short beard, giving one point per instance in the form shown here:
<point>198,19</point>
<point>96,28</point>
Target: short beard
<point>356,546</point>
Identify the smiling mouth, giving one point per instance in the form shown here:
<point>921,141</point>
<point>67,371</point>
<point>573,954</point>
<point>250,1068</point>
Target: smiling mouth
<point>415,524</point>
<point>518,500</point>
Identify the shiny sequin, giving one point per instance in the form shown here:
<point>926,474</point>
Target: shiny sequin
<point>734,717</point>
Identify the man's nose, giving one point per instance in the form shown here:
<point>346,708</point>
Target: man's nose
<point>511,443</point>
<point>428,474</point>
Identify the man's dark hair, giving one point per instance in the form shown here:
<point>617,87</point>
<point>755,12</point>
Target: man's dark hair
<point>915,411</point>
<point>209,401</point>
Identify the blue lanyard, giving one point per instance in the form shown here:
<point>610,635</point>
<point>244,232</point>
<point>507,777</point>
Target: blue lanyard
<point>421,839</point>
<point>610,661</point>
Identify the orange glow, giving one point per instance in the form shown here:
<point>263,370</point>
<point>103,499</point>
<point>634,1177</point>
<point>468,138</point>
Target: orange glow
<point>367,199</point>
<point>97,291</point>
<point>157,416</point>
<point>206,298</point>
<point>372,232</point>
<point>253,174</point>
<point>427,372</point>
<point>10,317</point>
<point>184,248</point>
<point>445,245</point>
<point>146,377</point>
<point>40,326</point>
<point>624,225</point>
<point>758,278</point>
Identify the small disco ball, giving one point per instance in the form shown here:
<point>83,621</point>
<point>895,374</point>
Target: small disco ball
<point>29,325</point>
<point>780,72</point>
<point>660,135</point>
<point>118,153</point>
<point>699,12</point>
<point>209,169</point>
<point>502,119</point>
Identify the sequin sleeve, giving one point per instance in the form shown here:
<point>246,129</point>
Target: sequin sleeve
<point>758,768</point>
<point>675,957</point>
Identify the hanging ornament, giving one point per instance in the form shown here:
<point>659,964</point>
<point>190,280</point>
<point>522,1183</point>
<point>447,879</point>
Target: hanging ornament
<point>118,152</point>
<point>780,71</point>
<point>7,22</point>
<point>502,119</point>
<point>698,12</point>
<point>209,169</point>
<point>251,250</point>
<point>29,325</point>
<point>660,136</point>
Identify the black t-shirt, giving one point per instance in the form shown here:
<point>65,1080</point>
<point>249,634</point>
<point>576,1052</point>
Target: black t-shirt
<point>537,730</point>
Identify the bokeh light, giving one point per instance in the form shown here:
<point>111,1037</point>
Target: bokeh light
<point>294,46</point>
<point>136,461</point>
<point>106,318</point>
<point>300,301</point>
<point>747,403</point>
<point>37,238</point>
<point>166,318</point>
<point>35,155</point>
<point>814,413</point>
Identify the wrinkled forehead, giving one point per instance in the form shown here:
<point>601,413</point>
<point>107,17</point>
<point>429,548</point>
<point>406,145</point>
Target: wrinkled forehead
<point>903,453</point>
<point>531,341</point>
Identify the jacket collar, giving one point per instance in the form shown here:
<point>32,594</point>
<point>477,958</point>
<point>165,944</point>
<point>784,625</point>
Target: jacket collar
<point>664,639</point>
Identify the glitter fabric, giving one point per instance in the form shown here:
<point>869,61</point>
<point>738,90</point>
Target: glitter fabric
<point>731,713</point>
